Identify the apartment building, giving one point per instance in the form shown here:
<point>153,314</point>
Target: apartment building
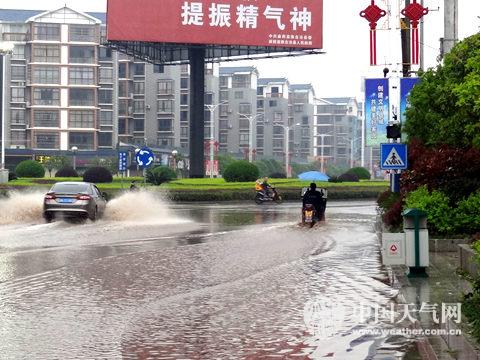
<point>337,131</point>
<point>301,110</point>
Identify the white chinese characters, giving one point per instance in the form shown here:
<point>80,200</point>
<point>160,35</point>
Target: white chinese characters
<point>246,16</point>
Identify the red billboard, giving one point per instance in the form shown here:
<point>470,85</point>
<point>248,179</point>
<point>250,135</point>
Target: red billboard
<point>276,23</point>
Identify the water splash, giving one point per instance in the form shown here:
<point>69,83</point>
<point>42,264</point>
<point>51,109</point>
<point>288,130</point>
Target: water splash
<point>140,207</point>
<point>21,207</point>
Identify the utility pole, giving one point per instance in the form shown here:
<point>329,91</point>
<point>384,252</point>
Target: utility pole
<point>450,27</point>
<point>405,36</point>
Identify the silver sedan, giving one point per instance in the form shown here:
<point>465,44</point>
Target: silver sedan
<point>74,200</point>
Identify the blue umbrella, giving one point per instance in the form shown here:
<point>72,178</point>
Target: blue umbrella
<point>313,176</point>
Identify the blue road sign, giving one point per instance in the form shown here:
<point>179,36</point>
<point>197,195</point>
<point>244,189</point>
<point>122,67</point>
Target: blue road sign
<point>122,161</point>
<point>145,157</point>
<point>393,156</point>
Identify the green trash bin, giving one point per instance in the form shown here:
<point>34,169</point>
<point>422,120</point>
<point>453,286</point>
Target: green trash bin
<point>416,242</point>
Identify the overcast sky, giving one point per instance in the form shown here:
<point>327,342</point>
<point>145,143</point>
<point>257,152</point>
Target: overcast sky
<point>339,72</point>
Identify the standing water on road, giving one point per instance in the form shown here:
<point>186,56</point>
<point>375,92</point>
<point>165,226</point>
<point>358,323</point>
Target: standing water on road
<point>169,290</point>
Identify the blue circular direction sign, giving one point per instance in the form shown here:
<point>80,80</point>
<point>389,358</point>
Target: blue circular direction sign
<point>145,157</point>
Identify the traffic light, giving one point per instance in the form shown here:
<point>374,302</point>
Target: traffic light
<point>394,131</point>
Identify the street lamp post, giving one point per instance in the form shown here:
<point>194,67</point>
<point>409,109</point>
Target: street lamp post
<point>287,128</point>
<point>74,152</point>
<point>322,146</point>
<point>6,48</point>
<point>251,119</point>
<point>174,156</point>
<point>212,109</point>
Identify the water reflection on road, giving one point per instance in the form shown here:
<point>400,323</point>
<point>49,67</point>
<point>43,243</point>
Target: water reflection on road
<point>222,281</point>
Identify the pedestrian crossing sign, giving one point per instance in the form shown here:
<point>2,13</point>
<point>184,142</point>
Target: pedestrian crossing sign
<point>393,156</point>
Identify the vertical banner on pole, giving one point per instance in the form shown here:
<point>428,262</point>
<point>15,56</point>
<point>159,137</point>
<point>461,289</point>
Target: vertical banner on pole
<point>406,86</point>
<point>377,107</point>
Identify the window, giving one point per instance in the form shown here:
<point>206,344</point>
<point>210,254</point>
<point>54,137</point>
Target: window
<point>223,95</point>
<point>208,98</point>
<point>139,88</point>
<point>305,144</point>
<point>81,119</point>
<point>123,89</point>
<point>184,83</point>
<point>82,54</point>
<point>18,73</point>
<point>165,106</point>
<point>139,125</point>
<point>106,118</point>
<point>223,81</point>
<point>158,69</point>
<point>222,138</point>
<point>240,81</point>
<point>243,139</point>
<point>84,33</point>
<point>260,90</point>
<point>260,104</point>
<point>50,32</point>
<point>122,126</point>
<point>139,106</point>
<point>82,97</point>
<point>183,99</point>
<point>18,138</point>
<point>46,118</point>
<point>17,116</point>
<point>275,91</point>
<point>165,125</point>
<point>106,75</point>
<point>223,110</point>
<point>243,124</point>
<point>18,94</point>
<point>183,116</point>
<point>105,96</point>
<point>305,120</point>
<point>82,140</point>
<point>260,130</point>
<point>223,124</point>
<point>18,52</point>
<point>124,108</point>
<point>105,139</point>
<point>259,143</point>
<point>45,96</point>
<point>46,53</point>
<point>46,75</point>
<point>165,142</point>
<point>277,117</point>
<point>272,103</point>
<point>81,75</point>
<point>105,54</point>
<point>165,87</point>
<point>122,70</point>
<point>245,108</point>
<point>278,130</point>
<point>238,94</point>
<point>139,69</point>
<point>46,140</point>
<point>278,143</point>
<point>298,108</point>
<point>184,131</point>
<point>306,132</point>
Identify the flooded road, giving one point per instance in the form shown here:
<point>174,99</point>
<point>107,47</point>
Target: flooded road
<point>179,281</point>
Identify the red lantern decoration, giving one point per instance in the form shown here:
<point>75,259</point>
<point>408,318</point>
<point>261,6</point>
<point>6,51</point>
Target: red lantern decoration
<point>373,13</point>
<point>414,12</point>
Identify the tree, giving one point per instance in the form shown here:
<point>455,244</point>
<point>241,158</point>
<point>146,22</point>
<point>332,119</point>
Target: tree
<point>56,162</point>
<point>267,167</point>
<point>109,163</point>
<point>445,104</point>
<point>223,161</point>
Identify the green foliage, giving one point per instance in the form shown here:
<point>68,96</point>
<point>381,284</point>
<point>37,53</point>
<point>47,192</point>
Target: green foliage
<point>468,215</point>
<point>335,171</point>
<point>98,174</point>
<point>348,176</point>
<point>471,301</point>
<point>361,172</point>
<point>224,160</point>
<point>67,172</point>
<point>12,176</point>
<point>441,217</point>
<point>56,162</point>
<point>266,167</point>
<point>241,171</point>
<point>445,105</point>
<point>110,163</point>
<point>30,169</point>
<point>160,174</point>
<point>300,168</point>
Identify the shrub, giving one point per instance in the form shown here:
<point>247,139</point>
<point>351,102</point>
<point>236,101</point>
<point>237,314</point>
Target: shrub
<point>393,216</point>
<point>361,172</point>
<point>98,174</point>
<point>67,171</point>
<point>160,174</point>
<point>441,217</point>
<point>241,171</point>
<point>468,214</point>
<point>335,179</point>
<point>471,301</point>
<point>12,176</point>
<point>30,169</point>
<point>349,177</point>
<point>277,175</point>
<point>386,200</point>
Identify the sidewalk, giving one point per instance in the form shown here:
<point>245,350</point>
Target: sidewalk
<point>443,286</point>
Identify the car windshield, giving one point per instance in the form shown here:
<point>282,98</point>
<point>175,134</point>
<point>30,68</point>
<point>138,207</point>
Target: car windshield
<point>65,188</point>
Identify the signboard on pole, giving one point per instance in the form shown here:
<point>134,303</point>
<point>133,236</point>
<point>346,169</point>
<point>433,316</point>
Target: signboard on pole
<point>122,161</point>
<point>393,156</point>
<point>278,23</point>
<point>209,168</point>
<point>377,107</point>
<point>145,157</point>
<point>406,86</point>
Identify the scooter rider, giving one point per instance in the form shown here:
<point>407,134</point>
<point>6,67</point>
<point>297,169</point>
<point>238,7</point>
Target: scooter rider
<point>314,197</point>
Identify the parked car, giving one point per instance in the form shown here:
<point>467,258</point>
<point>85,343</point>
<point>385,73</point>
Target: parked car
<point>71,199</point>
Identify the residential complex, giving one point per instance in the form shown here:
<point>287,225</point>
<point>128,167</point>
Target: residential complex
<point>65,90</point>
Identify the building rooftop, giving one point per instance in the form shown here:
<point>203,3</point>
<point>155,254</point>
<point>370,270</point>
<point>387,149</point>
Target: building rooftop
<point>339,100</point>
<point>306,87</point>
<point>237,69</point>
<point>266,81</point>
<point>21,16</point>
